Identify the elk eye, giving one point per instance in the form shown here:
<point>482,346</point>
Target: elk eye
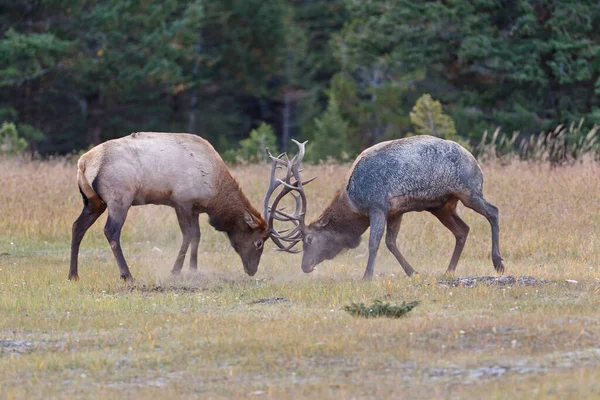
<point>258,244</point>
<point>309,239</point>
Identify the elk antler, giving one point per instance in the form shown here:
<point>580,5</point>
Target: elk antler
<point>290,183</point>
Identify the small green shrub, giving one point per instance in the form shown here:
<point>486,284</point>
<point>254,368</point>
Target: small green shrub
<point>381,309</point>
<point>253,149</point>
<point>10,142</point>
<point>429,119</point>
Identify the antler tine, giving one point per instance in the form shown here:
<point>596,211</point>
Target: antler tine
<point>278,159</point>
<point>306,182</point>
<point>276,240</point>
<point>295,233</point>
<point>290,235</point>
<point>289,248</point>
<point>301,149</point>
<point>290,239</point>
<point>290,183</point>
<point>278,217</point>
<point>276,162</point>
<point>288,217</point>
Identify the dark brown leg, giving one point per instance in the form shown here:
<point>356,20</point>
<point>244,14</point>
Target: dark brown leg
<point>447,216</point>
<point>393,227</point>
<point>89,215</point>
<point>195,242</point>
<point>477,203</point>
<point>112,230</point>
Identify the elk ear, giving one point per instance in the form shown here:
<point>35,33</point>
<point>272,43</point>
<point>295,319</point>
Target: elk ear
<point>251,220</point>
<point>322,222</point>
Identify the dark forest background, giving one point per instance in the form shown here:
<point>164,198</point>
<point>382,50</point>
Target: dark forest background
<point>342,73</point>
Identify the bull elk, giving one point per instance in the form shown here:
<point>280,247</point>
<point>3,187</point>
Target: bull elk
<point>420,173</point>
<point>174,169</point>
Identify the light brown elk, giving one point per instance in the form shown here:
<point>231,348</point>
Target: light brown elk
<point>421,173</point>
<point>174,169</point>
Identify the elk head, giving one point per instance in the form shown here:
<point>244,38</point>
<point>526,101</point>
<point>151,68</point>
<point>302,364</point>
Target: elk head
<point>318,243</point>
<point>248,240</point>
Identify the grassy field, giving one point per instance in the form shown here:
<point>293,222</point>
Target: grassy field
<point>204,336</point>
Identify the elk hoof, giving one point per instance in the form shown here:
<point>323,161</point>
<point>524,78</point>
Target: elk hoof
<point>73,277</point>
<point>448,275</point>
<point>498,266</point>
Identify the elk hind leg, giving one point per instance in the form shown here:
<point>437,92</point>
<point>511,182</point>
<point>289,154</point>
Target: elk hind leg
<point>448,216</point>
<point>89,215</point>
<point>477,203</point>
<point>391,235</point>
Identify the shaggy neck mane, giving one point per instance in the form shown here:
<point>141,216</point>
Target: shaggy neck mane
<point>227,207</point>
<point>340,217</point>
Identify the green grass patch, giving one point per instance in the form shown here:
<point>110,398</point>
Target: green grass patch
<point>380,309</point>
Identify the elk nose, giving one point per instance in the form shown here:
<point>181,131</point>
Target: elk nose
<point>308,268</point>
<point>250,271</point>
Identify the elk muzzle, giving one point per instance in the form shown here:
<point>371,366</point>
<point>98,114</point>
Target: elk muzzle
<point>251,268</point>
<point>308,268</point>
<point>251,261</point>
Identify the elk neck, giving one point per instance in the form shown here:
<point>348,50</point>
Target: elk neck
<point>341,217</point>
<point>227,207</point>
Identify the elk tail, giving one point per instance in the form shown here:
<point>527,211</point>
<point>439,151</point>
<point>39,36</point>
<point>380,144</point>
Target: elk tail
<point>89,195</point>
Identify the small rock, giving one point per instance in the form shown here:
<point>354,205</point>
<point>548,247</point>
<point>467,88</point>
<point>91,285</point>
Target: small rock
<point>571,281</point>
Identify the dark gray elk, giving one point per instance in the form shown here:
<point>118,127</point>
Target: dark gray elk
<point>420,173</point>
<point>175,169</point>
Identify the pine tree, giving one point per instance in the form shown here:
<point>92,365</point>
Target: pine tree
<point>331,137</point>
<point>428,119</point>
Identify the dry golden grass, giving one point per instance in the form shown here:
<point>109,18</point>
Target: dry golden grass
<point>198,336</point>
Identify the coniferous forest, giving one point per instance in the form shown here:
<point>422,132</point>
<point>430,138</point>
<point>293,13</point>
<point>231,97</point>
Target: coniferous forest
<point>342,73</point>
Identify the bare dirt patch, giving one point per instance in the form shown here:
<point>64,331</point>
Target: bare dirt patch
<point>10,346</point>
<point>500,281</point>
<point>554,362</point>
<point>271,300</point>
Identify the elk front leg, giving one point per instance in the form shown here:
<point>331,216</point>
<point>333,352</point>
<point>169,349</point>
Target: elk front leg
<point>195,241</point>
<point>393,227</point>
<point>377,222</point>
<point>112,230</point>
